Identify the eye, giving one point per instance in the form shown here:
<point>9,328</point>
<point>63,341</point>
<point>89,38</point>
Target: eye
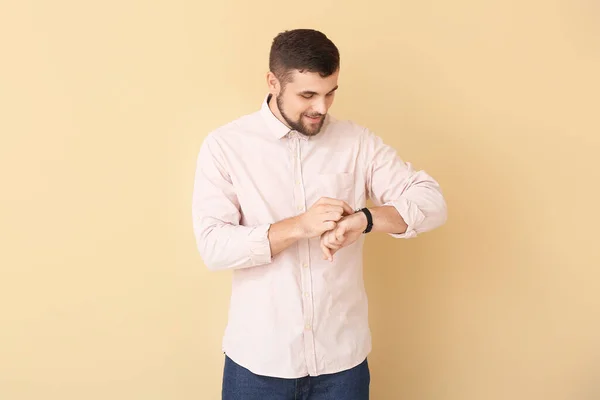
<point>330,94</point>
<point>307,96</point>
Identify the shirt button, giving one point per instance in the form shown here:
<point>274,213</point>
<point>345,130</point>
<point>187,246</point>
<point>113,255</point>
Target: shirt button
<point>307,327</point>
<point>305,265</point>
<point>306,294</point>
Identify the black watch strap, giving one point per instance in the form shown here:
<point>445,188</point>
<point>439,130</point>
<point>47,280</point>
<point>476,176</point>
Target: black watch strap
<point>369,219</point>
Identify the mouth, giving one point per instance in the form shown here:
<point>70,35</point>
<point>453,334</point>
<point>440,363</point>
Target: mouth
<point>314,119</point>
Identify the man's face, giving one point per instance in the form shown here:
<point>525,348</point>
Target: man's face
<point>304,100</point>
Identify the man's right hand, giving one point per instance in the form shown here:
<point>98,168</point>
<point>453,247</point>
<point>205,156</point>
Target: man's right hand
<point>323,216</point>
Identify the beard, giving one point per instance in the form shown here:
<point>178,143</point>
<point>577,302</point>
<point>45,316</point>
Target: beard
<point>299,125</point>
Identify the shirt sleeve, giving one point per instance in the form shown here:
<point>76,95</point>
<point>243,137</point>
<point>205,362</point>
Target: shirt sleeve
<point>222,242</point>
<point>392,182</point>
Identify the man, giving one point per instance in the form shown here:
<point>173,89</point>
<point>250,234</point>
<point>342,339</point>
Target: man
<point>279,198</point>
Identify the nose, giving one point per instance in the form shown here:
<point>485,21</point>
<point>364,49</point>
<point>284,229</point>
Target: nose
<point>320,107</point>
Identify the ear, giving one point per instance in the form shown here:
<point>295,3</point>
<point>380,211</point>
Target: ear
<point>273,84</point>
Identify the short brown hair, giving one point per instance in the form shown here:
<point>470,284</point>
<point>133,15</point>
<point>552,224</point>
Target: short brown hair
<point>304,50</point>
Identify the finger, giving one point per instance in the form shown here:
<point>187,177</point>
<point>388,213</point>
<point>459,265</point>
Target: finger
<point>347,208</point>
<point>331,207</point>
<point>326,239</point>
<point>336,202</point>
<point>329,225</point>
<point>333,251</point>
<point>326,252</point>
<point>340,233</point>
<point>331,243</point>
<point>333,216</point>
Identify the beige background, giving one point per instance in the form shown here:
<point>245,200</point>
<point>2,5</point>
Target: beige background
<point>103,106</point>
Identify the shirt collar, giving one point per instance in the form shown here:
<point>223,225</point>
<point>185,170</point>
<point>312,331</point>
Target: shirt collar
<point>277,128</point>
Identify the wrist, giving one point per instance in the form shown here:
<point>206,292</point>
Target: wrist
<point>360,221</point>
<point>298,230</point>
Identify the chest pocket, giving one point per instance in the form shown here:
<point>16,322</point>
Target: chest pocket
<point>338,185</point>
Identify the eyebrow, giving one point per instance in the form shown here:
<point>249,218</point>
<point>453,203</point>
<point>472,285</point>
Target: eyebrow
<point>311,92</point>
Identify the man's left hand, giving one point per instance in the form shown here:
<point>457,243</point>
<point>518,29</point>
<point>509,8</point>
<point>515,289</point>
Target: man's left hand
<point>346,232</point>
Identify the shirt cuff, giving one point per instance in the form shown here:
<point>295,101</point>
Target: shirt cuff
<point>411,215</point>
<point>260,247</point>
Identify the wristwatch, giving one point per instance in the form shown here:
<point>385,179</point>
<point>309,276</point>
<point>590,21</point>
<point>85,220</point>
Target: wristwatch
<point>369,219</point>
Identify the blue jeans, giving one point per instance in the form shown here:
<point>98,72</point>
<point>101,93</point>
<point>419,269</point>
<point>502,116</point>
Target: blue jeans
<point>241,384</point>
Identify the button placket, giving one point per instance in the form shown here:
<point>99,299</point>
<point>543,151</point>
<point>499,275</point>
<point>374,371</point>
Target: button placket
<point>297,171</point>
<point>307,307</point>
<point>303,252</point>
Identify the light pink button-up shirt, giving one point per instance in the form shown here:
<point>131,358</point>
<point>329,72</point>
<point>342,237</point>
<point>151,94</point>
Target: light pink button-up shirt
<point>296,314</point>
